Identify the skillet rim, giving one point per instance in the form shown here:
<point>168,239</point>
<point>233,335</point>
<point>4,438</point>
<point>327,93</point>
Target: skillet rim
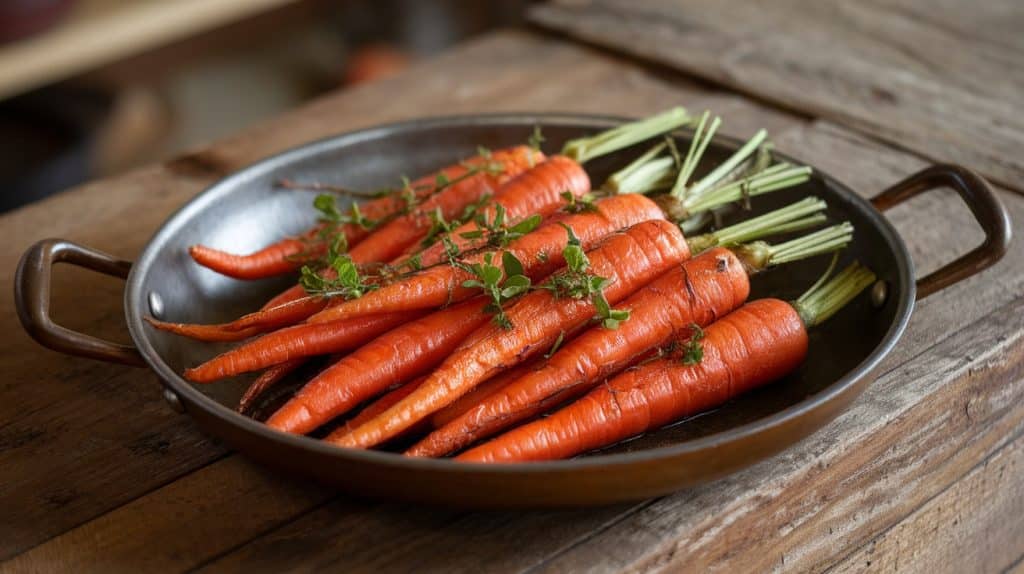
<point>135,302</point>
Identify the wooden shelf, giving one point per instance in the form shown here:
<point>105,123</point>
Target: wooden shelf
<point>99,32</point>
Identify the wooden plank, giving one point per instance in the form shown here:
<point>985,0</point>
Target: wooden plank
<point>80,438</point>
<point>99,32</point>
<point>941,81</point>
<point>963,529</point>
<point>182,525</point>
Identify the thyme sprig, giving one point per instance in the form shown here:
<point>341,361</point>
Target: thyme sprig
<point>497,232</point>
<point>500,284</point>
<point>348,282</point>
<point>577,282</point>
<point>574,204</point>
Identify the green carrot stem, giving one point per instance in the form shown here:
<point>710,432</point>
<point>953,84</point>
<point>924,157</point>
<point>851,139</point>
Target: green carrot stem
<point>774,178</point>
<point>825,298</point>
<point>759,255</point>
<point>708,182</point>
<point>802,213</point>
<point>640,172</point>
<point>702,137</point>
<point>586,149</point>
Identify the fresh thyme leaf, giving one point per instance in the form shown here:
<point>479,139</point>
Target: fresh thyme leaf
<point>327,206</point>
<point>575,204</point>
<point>441,180</point>
<point>483,152</point>
<point>499,283</point>
<point>347,283</point>
<point>693,350</point>
<point>577,283</point>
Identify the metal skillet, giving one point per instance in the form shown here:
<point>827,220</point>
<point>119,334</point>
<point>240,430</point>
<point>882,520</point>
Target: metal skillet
<point>244,211</point>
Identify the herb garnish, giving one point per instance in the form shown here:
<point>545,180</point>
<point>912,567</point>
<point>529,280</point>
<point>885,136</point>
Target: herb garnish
<point>575,204</point>
<point>347,283</point>
<point>499,283</point>
<point>577,282</point>
<point>496,232</point>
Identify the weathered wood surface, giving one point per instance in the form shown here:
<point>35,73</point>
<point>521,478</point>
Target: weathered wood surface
<point>941,78</point>
<point>86,484</point>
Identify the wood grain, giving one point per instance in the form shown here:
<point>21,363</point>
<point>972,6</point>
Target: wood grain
<point>966,528</point>
<point>940,80</point>
<point>82,437</point>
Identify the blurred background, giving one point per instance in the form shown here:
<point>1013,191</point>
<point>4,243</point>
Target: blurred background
<point>89,88</point>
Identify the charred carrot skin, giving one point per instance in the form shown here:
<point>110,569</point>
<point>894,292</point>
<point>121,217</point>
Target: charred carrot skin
<point>539,251</point>
<point>698,291</point>
<point>754,345</point>
<point>400,354</point>
<point>285,256</point>
<point>296,342</point>
<point>391,239</point>
<point>629,260</point>
<point>537,191</point>
<point>265,382</point>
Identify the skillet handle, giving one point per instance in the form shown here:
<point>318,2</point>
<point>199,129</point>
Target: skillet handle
<point>32,299</point>
<point>987,209</point>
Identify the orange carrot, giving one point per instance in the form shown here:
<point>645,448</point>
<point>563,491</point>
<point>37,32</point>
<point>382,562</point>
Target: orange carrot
<point>698,291</point>
<point>627,260</point>
<point>378,406</point>
<point>535,192</point>
<point>286,255</point>
<point>539,251</point>
<point>400,354</point>
<point>296,342</point>
<point>754,345</point>
<point>481,392</point>
<point>391,239</point>
<point>265,381</point>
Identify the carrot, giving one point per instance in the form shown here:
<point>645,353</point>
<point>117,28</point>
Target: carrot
<point>540,252</point>
<point>391,239</point>
<point>626,260</point>
<point>698,291</point>
<point>265,381</point>
<point>754,345</point>
<point>400,354</point>
<point>481,392</point>
<point>378,406</point>
<point>534,193</point>
<point>296,342</point>
<point>291,253</point>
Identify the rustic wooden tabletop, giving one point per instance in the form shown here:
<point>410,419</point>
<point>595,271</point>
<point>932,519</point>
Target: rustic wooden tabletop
<point>923,473</point>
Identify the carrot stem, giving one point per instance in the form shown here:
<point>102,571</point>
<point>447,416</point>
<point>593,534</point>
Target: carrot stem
<point>794,217</point>
<point>709,181</point>
<point>759,255</point>
<point>825,298</point>
<point>637,170</point>
<point>586,149</point>
<point>702,136</point>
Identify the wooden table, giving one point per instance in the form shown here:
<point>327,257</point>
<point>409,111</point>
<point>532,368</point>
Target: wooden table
<point>924,473</point>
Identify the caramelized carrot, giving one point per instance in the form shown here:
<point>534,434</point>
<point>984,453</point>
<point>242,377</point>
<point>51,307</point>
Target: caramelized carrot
<point>296,342</point>
<point>378,406</point>
<point>697,291</point>
<point>540,253</point>
<point>400,354</point>
<point>286,255</point>
<point>265,381</point>
<point>754,345</point>
<point>391,239</point>
<point>628,260</point>
<point>535,192</point>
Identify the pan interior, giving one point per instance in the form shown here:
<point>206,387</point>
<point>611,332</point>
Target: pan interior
<point>246,211</point>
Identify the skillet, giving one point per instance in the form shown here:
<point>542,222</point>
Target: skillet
<point>244,211</point>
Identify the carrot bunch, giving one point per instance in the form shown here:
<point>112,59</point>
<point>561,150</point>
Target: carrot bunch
<point>472,300</point>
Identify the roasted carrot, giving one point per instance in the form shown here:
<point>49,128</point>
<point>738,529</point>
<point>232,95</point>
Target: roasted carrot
<point>265,381</point>
<point>286,255</point>
<point>754,345</point>
<point>400,354</point>
<point>696,292</point>
<point>534,193</point>
<point>539,251</point>
<point>296,342</point>
<point>625,260</point>
<point>481,392</point>
<point>378,406</point>
<point>392,238</point>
